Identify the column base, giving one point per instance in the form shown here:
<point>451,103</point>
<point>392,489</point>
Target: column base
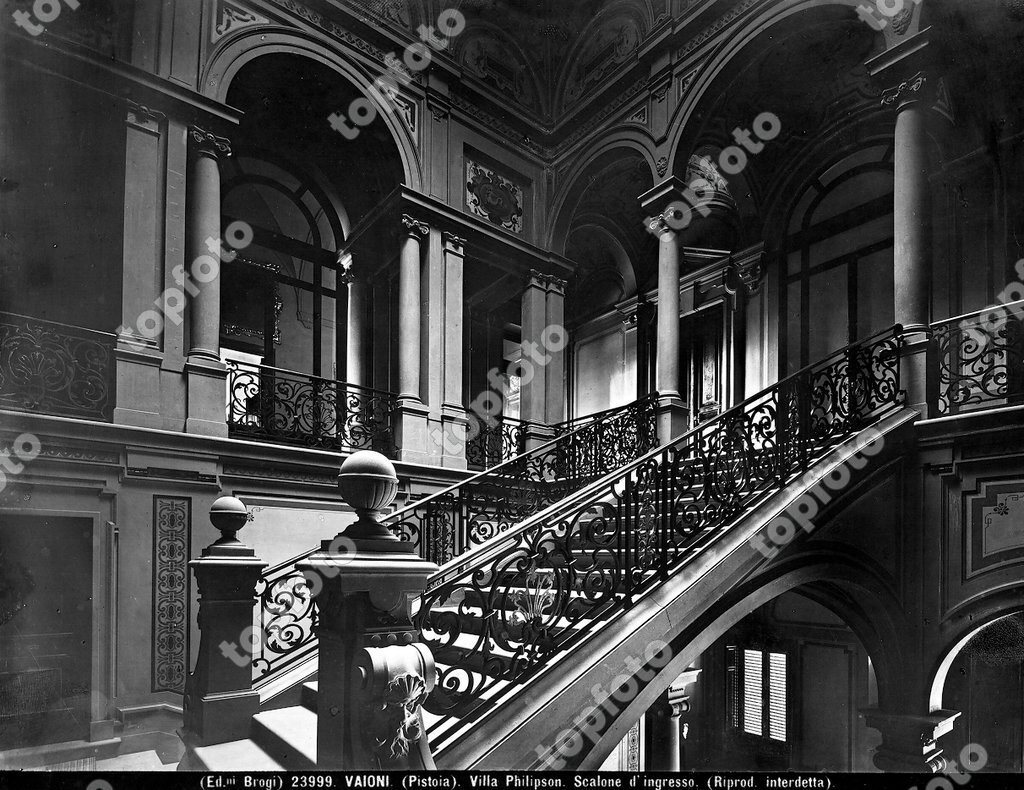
<point>206,397</point>
<point>673,417</point>
<point>535,434</point>
<point>454,423</point>
<point>137,386</point>
<point>914,371</point>
<point>414,441</point>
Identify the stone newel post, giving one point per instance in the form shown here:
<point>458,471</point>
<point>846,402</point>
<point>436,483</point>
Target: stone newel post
<point>373,676</point>
<point>219,700</point>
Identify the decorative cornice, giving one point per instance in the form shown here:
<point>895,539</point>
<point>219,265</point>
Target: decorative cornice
<point>275,472</point>
<point>720,24</point>
<point>913,89</point>
<point>659,92</point>
<point>414,226</point>
<point>332,28</point>
<point>209,144</point>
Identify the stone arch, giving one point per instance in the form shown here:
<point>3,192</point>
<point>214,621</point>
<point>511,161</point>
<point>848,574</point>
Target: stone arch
<point>980,616</point>
<point>254,43</point>
<point>564,203</point>
<point>853,590</point>
<point>734,53</point>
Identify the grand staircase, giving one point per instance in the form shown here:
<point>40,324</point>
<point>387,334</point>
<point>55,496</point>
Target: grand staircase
<point>562,565</point>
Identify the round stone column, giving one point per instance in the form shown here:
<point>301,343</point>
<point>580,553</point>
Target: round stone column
<point>409,308</point>
<point>912,221</point>
<point>202,258</point>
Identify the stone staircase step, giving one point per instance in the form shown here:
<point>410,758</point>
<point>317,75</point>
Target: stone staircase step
<point>309,695</point>
<point>234,756</point>
<point>288,735</point>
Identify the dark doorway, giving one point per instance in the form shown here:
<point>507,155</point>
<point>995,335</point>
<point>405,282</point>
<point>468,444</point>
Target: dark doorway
<point>45,629</point>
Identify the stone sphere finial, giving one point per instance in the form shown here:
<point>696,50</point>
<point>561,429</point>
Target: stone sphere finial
<point>368,483</point>
<point>228,514</point>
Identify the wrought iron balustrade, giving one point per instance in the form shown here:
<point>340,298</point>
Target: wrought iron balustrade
<point>56,369</point>
<point>450,522</point>
<point>496,616</point>
<point>295,408</point>
<point>494,441</point>
<point>592,446</point>
<point>285,619</point>
<point>453,521</point>
<point>976,361</point>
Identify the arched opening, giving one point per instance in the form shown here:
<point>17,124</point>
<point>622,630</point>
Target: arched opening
<point>292,330</point>
<point>793,119</point>
<point>983,678</point>
<point>615,262</point>
<point>836,262</point>
<point>780,690</point>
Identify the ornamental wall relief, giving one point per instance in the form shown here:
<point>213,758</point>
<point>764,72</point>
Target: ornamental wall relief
<point>493,196</point>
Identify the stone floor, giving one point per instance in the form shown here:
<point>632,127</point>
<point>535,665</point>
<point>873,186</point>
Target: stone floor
<point>139,761</point>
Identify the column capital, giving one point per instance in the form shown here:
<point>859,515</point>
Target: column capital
<point>208,144</point>
<point>909,741</point>
<point>547,281</point>
<point>141,114</point>
<point>660,228</point>
<point>452,242</point>
<point>908,91</point>
<point>414,226</point>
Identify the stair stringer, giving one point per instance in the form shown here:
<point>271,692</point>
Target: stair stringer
<point>530,720</point>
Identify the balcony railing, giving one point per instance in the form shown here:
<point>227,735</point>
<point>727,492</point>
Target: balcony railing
<point>494,441</point>
<point>56,369</point>
<point>295,408</point>
<point>977,361</point>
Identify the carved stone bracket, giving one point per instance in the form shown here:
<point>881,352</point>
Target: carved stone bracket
<point>747,269</point>
<point>209,144</point>
<point>395,683</point>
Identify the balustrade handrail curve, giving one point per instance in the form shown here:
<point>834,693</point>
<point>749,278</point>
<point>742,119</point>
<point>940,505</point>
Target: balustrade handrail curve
<point>480,552</point>
<point>99,333</point>
<point>1009,308</point>
<point>976,360</point>
<point>396,515</point>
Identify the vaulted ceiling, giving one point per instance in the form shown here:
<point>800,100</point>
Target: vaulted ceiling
<point>547,56</point>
